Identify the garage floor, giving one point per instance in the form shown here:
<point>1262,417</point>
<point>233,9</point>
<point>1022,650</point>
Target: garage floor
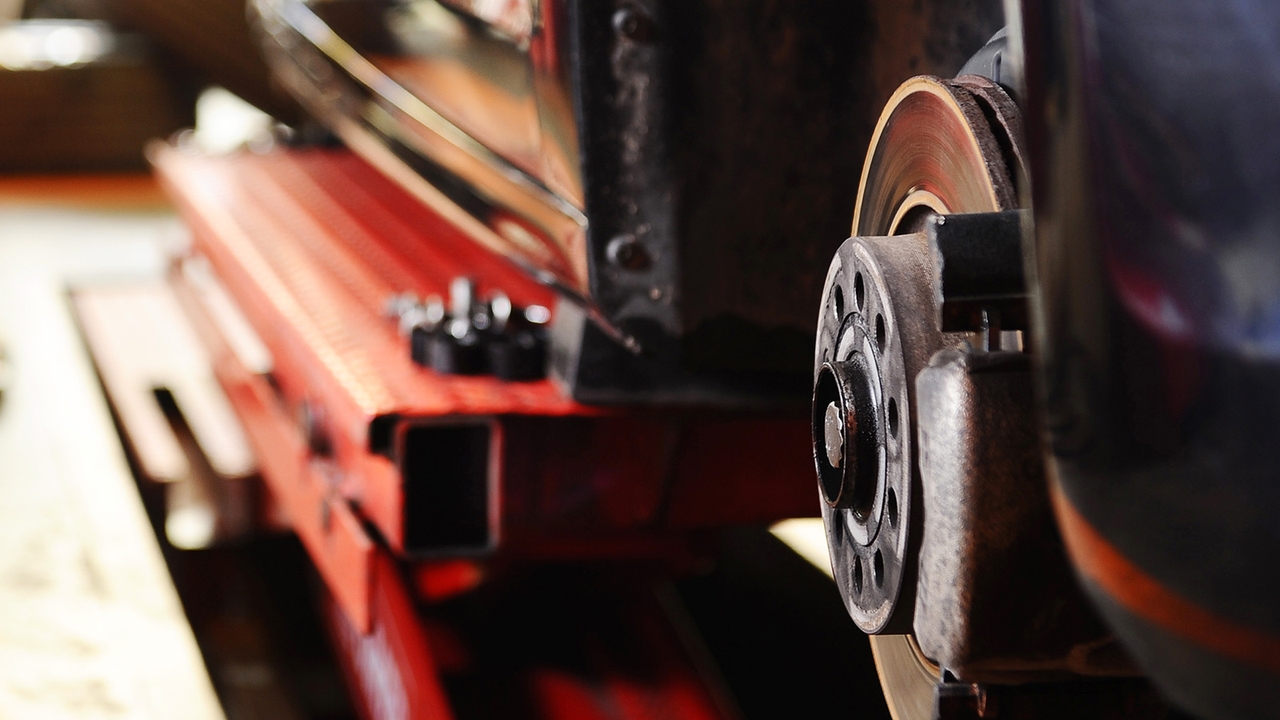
<point>90,624</point>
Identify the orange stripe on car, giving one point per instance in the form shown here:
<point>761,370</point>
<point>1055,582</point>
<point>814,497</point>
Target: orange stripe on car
<point>1146,597</point>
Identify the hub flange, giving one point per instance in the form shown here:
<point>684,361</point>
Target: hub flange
<point>862,428</point>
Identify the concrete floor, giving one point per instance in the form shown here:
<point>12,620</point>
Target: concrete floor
<point>90,623</point>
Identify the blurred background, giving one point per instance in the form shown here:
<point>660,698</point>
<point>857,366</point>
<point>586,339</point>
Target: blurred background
<point>84,84</point>
<point>102,612</point>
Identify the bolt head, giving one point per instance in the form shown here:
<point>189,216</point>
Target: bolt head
<point>625,252</point>
<point>632,24</point>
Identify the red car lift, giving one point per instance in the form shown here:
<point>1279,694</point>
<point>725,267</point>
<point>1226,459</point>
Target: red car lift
<point>407,486</point>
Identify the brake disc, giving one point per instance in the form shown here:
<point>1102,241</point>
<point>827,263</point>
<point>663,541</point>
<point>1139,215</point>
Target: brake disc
<point>934,151</point>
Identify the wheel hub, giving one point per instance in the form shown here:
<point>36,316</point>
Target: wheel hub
<point>933,152</point>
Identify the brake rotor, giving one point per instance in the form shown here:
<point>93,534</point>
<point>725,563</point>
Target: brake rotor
<point>934,151</point>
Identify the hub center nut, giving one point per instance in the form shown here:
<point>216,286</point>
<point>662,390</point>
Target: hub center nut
<point>833,433</point>
<point>846,434</point>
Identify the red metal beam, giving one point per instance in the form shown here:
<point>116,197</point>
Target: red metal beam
<point>298,482</point>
